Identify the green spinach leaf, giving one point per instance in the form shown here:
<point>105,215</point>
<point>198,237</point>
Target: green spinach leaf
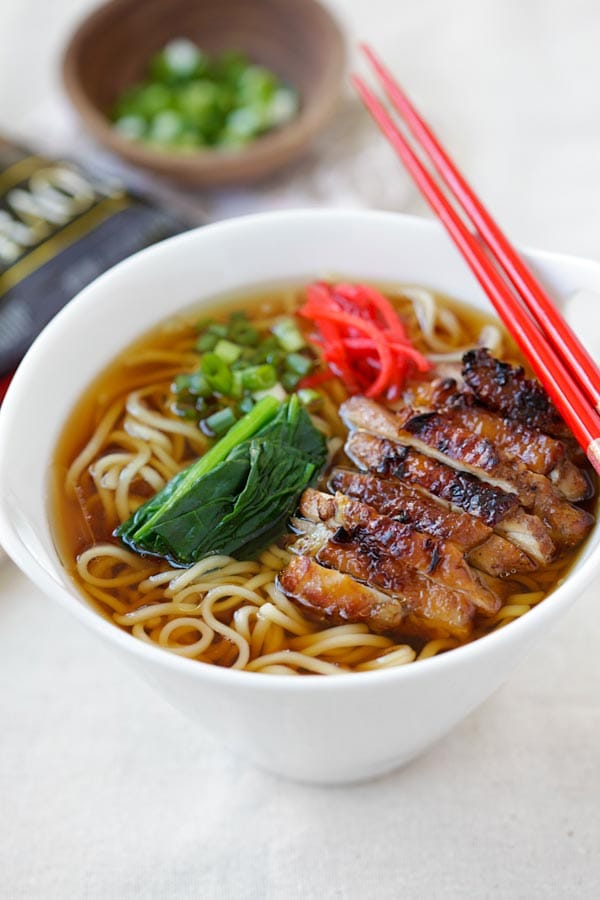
<point>239,505</point>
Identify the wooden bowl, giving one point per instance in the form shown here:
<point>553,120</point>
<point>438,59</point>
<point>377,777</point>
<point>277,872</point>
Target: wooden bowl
<point>298,39</point>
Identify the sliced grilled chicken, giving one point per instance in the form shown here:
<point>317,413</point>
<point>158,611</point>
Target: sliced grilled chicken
<point>431,393</point>
<point>442,561</point>
<point>500,557</point>
<point>435,435</point>
<point>486,551</point>
<point>460,490</point>
<point>410,507</point>
<point>337,598</point>
<point>567,524</point>
<point>432,434</point>
<point>309,536</point>
<point>429,433</point>
<point>506,389</point>
<point>333,596</point>
<point>538,452</point>
<point>432,610</point>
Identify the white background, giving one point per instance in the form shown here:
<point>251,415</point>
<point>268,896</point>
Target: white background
<point>105,792</point>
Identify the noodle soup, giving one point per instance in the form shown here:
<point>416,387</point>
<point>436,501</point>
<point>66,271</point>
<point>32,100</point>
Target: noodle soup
<point>133,432</point>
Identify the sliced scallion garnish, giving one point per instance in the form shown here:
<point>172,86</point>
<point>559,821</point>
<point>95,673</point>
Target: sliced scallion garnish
<point>227,351</point>
<point>220,422</point>
<point>288,334</point>
<point>217,373</point>
<point>259,378</point>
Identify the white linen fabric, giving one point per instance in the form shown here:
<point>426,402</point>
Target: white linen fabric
<point>105,791</point>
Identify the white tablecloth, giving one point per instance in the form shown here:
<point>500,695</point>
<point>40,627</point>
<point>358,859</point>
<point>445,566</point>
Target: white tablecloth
<point>105,792</point>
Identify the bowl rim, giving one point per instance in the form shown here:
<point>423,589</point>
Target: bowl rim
<point>291,136</point>
<point>25,559</point>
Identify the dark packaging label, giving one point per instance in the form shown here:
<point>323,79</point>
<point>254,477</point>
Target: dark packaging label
<point>60,227</point>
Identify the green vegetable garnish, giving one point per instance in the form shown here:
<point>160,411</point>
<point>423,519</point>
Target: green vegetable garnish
<point>239,361</point>
<point>198,385</point>
<point>166,126</point>
<point>290,381</point>
<point>227,351</point>
<point>298,364</point>
<point>217,373</point>
<point>218,329</point>
<point>220,422</point>
<point>177,62</point>
<point>309,397</point>
<point>237,498</point>
<point>242,332</point>
<point>289,335</point>
<point>259,378</point>
<point>189,101</point>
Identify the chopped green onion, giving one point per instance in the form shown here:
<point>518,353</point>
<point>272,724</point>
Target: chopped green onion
<point>282,107</point>
<point>198,101</point>
<point>275,357</point>
<point>150,100</point>
<point>309,397</point>
<point>179,60</point>
<point>206,342</point>
<point>298,364</point>
<point>288,334</point>
<point>259,378</point>
<point>217,373</point>
<point>241,332</point>
<point>218,328</point>
<point>184,412</point>
<point>272,356</point>
<point>189,101</point>
<point>244,122</point>
<point>181,384</point>
<point>203,324</point>
<point>257,84</point>
<point>166,126</point>
<point>270,343</point>
<point>198,385</point>
<point>237,385</point>
<point>269,351</point>
<point>276,393</point>
<point>252,366</point>
<point>290,381</point>
<point>227,351</point>
<point>246,404</point>
<point>220,422</point>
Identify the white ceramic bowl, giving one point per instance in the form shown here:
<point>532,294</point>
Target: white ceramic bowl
<point>321,729</point>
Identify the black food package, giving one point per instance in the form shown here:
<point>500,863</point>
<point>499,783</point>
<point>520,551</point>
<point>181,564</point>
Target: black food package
<point>60,227</point>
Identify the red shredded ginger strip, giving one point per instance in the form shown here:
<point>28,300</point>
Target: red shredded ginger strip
<point>363,339</point>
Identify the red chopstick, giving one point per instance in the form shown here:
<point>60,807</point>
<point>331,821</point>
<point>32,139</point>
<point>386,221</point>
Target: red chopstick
<point>532,292</point>
<point>575,399</point>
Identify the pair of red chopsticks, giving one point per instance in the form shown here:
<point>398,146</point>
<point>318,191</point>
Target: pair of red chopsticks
<point>560,361</point>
